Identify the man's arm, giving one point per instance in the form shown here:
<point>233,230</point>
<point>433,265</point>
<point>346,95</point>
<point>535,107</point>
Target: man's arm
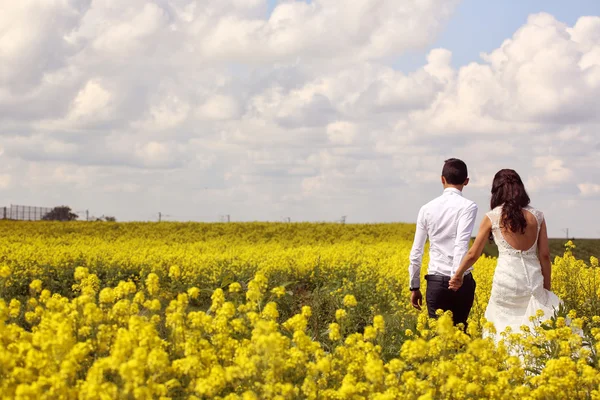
<point>472,255</point>
<point>466,222</point>
<point>416,253</point>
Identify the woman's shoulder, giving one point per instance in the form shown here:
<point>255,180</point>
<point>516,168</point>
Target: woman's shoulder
<point>539,215</point>
<point>494,216</point>
<point>532,209</point>
<point>495,211</point>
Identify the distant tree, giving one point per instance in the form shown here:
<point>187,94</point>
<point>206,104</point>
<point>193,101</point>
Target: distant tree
<point>60,213</point>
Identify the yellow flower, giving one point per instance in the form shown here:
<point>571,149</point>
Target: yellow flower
<point>379,323</point>
<point>279,291</point>
<point>370,333</point>
<point>374,370</point>
<point>270,311</point>
<point>340,314</point>
<point>249,395</point>
<point>334,332</point>
<point>193,292</point>
<point>174,272</point>
<point>350,301</point>
<point>154,305</point>
<point>218,299</point>
<point>235,287</point>
<point>306,312</point>
<point>81,273</point>
<point>152,284</point>
<point>14,308</point>
<point>36,286</point>
<point>4,271</point>
<point>106,296</point>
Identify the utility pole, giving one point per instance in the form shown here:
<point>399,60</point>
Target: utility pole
<point>343,220</point>
<point>567,232</point>
<point>159,216</point>
<point>228,218</point>
<point>87,215</point>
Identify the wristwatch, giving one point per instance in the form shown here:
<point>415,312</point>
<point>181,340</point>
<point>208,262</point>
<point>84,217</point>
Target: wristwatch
<point>414,289</point>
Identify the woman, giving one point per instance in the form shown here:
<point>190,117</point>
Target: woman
<point>521,283</point>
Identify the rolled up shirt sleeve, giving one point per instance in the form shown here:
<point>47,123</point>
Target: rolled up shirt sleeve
<point>416,253</point>
<point>466,222</point>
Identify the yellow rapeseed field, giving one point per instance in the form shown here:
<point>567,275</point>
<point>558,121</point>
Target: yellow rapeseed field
<point>266,311</point>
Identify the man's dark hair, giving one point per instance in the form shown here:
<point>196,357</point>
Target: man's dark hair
<point>455,171</point>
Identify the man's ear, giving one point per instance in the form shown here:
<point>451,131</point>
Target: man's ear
<point>466,182</point>
<point>443,180</point>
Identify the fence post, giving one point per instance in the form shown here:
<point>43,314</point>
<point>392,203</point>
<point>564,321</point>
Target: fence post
<point>4,217</point>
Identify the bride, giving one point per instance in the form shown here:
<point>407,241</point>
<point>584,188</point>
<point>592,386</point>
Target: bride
<point>521,284</point>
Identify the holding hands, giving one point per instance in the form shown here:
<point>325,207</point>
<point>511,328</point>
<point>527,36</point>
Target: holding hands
<point>472,255</point>
<point>456,282</point>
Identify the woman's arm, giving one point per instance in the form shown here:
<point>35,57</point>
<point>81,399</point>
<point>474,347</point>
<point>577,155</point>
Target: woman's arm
<point>473,254</point>
<point>544,256</point>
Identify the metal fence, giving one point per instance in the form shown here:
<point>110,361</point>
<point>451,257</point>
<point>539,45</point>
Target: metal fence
<point>24,213</point>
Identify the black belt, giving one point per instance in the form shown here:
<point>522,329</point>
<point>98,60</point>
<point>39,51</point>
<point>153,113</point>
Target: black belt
<point>443,278</point>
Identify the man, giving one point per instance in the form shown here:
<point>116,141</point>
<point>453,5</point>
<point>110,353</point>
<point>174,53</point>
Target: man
<point>448,221</point>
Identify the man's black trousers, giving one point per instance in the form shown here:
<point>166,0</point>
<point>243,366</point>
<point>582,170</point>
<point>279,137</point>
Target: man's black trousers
<point>438,296</point>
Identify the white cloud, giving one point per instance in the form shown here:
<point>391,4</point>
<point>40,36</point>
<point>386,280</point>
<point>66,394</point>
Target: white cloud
<point>325,30</point>
<point>155,154</point>
<point>5,181</point>
<point>127,33</point>
<point>91,104</point>
<point>219,106</point>
<point>32,40</point>
<point>548,172</point>
<point>58,175</point>
<point>167,114</point>
<point>313,184</point>
<point>341,132</point>
<point>589,189</point>
<point>122,187</point>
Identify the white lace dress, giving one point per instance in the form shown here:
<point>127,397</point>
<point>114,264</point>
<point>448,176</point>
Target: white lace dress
<point>518,284</point>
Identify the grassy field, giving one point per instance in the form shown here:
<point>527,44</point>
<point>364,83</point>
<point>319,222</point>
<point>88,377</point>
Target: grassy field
<point>585,248</point>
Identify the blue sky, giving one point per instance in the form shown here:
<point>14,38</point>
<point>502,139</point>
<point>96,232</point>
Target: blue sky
<point>481,25</point>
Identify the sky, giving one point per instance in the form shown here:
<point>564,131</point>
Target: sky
<point>308,110</point>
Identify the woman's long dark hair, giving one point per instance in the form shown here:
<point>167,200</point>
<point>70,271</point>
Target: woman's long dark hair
<point>508,190</point>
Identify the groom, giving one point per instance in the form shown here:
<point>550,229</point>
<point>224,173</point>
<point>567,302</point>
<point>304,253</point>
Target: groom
<point>448,222</point>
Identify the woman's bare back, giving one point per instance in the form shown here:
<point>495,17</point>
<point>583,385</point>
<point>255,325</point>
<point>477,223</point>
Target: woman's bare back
<point>522,241</point>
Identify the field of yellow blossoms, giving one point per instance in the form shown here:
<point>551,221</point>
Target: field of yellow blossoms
<point>266,311</point>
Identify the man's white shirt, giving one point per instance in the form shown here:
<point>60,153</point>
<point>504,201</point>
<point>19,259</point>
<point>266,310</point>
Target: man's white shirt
<point>448,221</point>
